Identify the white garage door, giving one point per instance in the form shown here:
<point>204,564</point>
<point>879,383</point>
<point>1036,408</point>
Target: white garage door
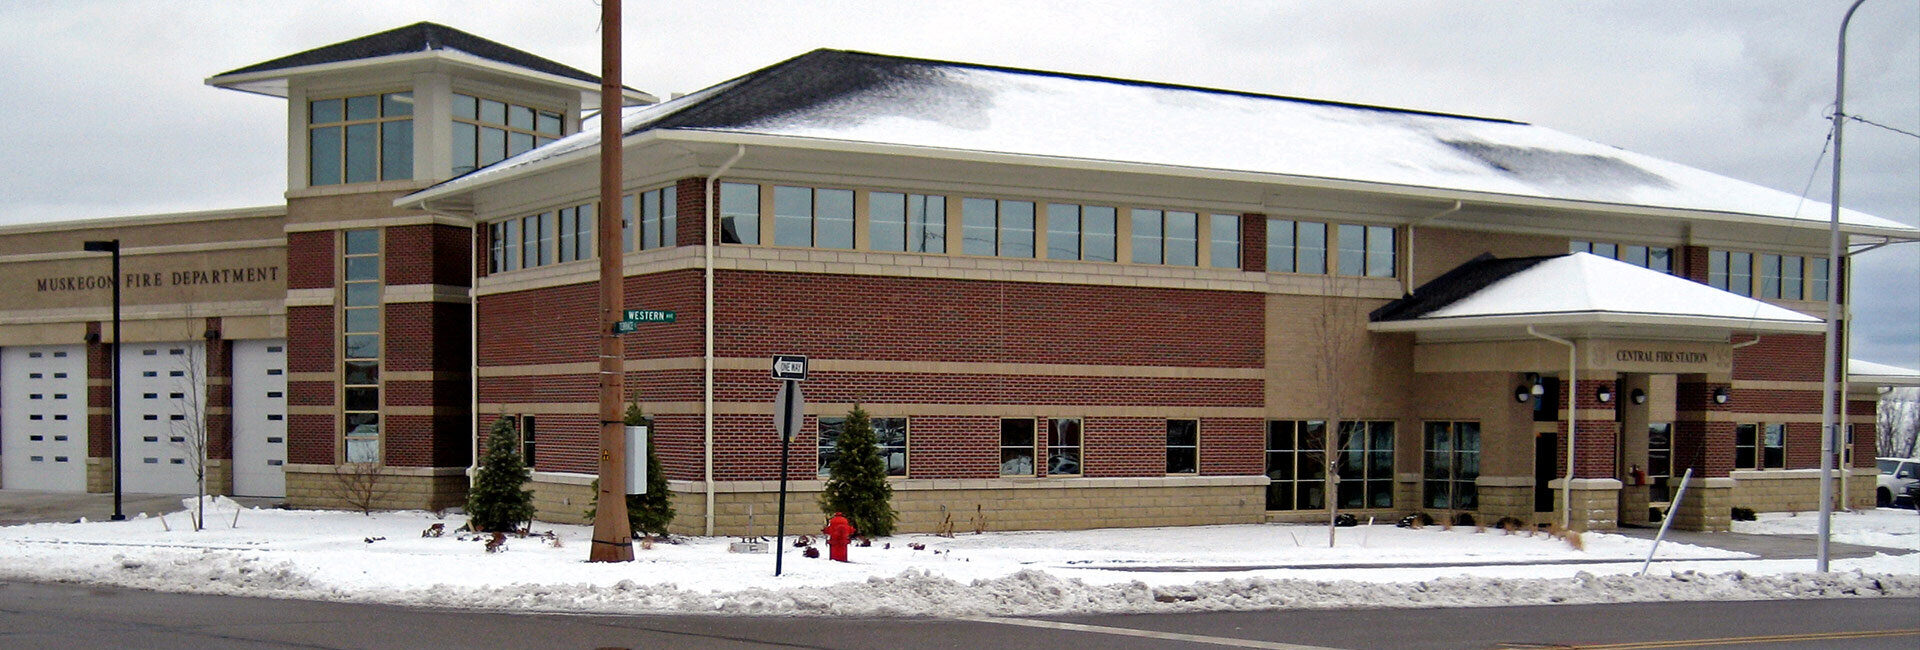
<point>43,418</point>
<point>260,418</point>
<point>163,400</point>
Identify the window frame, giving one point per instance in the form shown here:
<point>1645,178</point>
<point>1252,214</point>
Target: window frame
<point>1056,446</point>
<point>1461,490</point>
<point>1005,228</point>
<point>385,124</point>
<point>916,216</point>
<point>477,129</point>
<point>1031,446</point>
<point>1176,453</point>
<point>826,446</point>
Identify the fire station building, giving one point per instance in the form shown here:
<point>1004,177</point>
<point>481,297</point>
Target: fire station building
<point>1067,301</point>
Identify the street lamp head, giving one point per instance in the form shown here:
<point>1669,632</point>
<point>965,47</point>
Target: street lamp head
<point>102,246</point>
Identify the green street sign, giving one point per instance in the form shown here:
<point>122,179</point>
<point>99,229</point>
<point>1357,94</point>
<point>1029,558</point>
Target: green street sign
<point>650,316</point>
<point>626,327</point>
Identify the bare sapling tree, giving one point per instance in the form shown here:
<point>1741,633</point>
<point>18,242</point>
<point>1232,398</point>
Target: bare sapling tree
<point>188,425</point>
<point>1340,327</point>
<point>1898,422</point>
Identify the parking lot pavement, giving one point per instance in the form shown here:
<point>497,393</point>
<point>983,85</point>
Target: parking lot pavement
<point>30,506</point>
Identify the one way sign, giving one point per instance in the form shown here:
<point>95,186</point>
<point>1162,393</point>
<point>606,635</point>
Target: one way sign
<point>790,367</point>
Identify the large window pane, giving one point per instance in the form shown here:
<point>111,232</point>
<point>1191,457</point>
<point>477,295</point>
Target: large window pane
<point>1223,251</point>
<point>1353,249</point>
<point>926,223</point>
<point>834,218</point>
<point>363,107</point>
<point>1063,446</point>
<point>396,104</point>
<point>1310,248</point>
<point>1063,231</point>
<point>1183,446</point>
<point>464,153</point>
<point>1380,251</point>
<point>792,216</point>
<point>1183,239</point>
<point>361,152</point>
<point>325,111</point>
<point>1016,447</point>
<point>396,150</point>
<point>739,213</point>
<point>1280,245</point>
<point>493,146</point>
<point>1147,236</point>
<point>978,224</point>
<point>1098,235</point>
<point>323,159</point>
<point>1016,229</point>
<point>887,221</point>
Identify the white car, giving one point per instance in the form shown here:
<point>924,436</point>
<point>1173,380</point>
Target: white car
<point>1897,475</point>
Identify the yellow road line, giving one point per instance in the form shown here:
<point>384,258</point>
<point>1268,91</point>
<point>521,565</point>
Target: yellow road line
<point>1147,634</point>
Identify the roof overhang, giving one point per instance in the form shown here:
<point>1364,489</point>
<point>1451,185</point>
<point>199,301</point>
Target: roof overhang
<point>1592,324</point>
<point>452,188</point>
<point>274,82</point>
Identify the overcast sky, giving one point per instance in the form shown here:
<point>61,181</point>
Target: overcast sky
<point>105,114</point>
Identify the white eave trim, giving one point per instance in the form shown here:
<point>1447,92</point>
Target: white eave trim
<point>452,55</point>
<point>1090,164</point>
<point>1579,319</point>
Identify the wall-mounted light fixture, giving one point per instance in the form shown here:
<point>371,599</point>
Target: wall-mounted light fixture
<point>1604,394</point>
<point>1638,396</point>
<point>1720,395</point>
<point>1522,393</point>
<point>1533,378</point>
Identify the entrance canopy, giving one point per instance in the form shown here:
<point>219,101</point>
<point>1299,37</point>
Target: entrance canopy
<point>1578,294</point>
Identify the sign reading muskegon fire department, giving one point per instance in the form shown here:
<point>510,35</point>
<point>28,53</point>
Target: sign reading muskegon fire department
<point>790,367</point>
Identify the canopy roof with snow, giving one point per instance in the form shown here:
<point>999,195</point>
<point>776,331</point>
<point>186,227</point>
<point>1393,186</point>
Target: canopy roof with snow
<point>829,98</point>
<point>1880,374</point>
<point>1581,291</point>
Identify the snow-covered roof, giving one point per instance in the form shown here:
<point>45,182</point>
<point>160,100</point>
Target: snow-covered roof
<point>831,95</point>
<point>1880,374</point>
<point>1579,289</point>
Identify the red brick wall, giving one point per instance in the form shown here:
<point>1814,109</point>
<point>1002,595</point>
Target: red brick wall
<point>689,229</point>
<point>310,259</point>
<point>428,254</point>
<point>1253,242</point>
<point>99,368</point>
<point>1691,263</point>
<point>560,324</point>
<point>310,438</point>
<point>1780,357</point>
<point>923,319</point>
<point>1595,443</point>
<point>1705,446</point>
<point>219,395</point>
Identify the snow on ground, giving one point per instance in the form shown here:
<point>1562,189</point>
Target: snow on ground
<point>345,556</point>
<point>1882,527</point>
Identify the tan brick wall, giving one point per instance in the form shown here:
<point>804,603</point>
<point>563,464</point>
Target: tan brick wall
<point>1707,508</point>
<point>1794,490</point>
<point>317,486</point>
<point>1048,505</point>
<point>1594,508</point>
<point>1498,501</point>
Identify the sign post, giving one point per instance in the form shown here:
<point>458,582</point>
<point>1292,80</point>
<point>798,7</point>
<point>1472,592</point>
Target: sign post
<point>787,419</point>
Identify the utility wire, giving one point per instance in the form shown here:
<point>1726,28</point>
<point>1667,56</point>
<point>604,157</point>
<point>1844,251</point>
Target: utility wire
<point>1817,162</point>
<point>1868,122</point>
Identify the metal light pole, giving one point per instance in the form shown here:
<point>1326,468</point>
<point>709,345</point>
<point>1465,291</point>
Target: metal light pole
<point>113,246</point>
<point>1828,369</point>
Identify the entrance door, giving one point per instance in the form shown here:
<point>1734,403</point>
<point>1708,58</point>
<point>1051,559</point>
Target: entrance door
<point>260,418</point>
<point>1546,465</point>
<point>163,394</point>
<point>43,418</point>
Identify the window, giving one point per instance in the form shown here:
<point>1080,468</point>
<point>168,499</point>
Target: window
<point>911,223</point>
<point>996,227</point>
<point>1183,446</point>
<point>1063,447</point>
<point>486,131</point>
<point>1658,258</point>
<point>503,246</point>
<point>659,217</point>
<point>803,216</point>
<point>537,233</point>
<point>1223,251</point>
<point>1165,237</point>
<point>1731,271</point>
<point>1081,232</point>
<point>1365,464</point>
<point>1746,446</point>
<point>1296,247</point>
<point>1452,465</point>
<point>1366,251</point>
<point>1016,447</point>
<point>360,139</point>
<point>1792,277</point>
<point>1817,278</point>
<point>739,213</point>
<point>528,446</point>
<point>360,328</point>
<point>1774,455</point>
<point>1769,276</point>
<point>576,233</point>
<point>889,435</point>
<point>1296,464</point>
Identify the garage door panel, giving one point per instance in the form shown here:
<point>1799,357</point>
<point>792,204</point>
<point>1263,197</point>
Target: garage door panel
<point>260,418</point>
<point>43,423</point>
<point>163,406</point>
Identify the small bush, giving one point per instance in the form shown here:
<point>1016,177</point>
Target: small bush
<point>1743,514</point>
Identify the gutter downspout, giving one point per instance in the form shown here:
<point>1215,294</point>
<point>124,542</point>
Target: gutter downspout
<point>1422,221</point>
<point>473,350</point>
<point>713,232</point>
<point>1573,391</point>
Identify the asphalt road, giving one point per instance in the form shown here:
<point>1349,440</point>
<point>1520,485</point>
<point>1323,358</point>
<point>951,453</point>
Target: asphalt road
<point>65,616</point>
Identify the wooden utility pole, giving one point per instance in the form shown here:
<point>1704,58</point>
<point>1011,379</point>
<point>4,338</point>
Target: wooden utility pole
<point>612,536</point>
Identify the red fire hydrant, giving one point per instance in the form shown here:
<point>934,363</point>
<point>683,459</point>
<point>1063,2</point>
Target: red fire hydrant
<point>839,533</point>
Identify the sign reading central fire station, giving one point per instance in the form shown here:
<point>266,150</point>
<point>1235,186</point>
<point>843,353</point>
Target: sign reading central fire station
<point>790,367</point>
